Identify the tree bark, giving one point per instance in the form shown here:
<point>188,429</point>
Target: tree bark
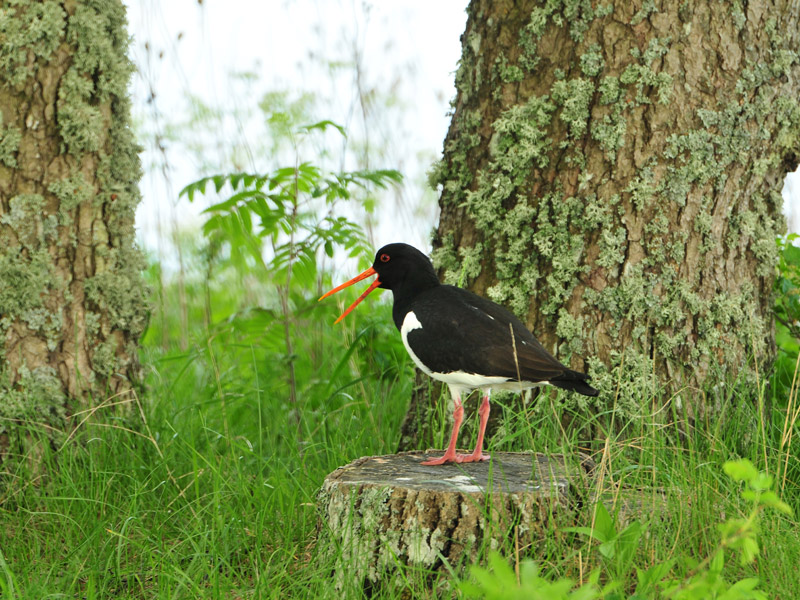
<point>72,297</point>
<point>612,173</point>
<point>381,512</point>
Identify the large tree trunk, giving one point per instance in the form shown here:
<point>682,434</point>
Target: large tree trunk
<point>612,173</point>
<point>72,298</point>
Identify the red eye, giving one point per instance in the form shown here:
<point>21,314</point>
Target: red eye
<point>385,258</point>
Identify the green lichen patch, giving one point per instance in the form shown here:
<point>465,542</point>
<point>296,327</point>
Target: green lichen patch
<point>642,75</point>
<point>529,38</point>
<point>467,78</point>
<point>71,192</point>
<point>507,72</point>
<point>37,398</point>
<point>118,291</point>
<point>28,277</point>
<point>574,97</point>
<point>10,137</point>
<point>455,176</point>
<point>24,282</point>
<point>609,132</point>
<point>705,155</point>
<point>648,8</point>
<point>610,90</point>
<point>97,31</point>
<point>519,144</point>
<point>575,14</point>
<point>520,139</point>
<point>99,74</point>
<point>600,215</point>
<point>578,15</point>
<point>80,121</point>
<point>786,111</point>
<point>517,268</point>
<point>569,328</point>
<point>737,12</point>
<point>631,375</point>
<point>592,61</point>
<point>642,188</point>
<point>470,263</point>
<point>104,359</point>
<point>30,225</point>
<point>28,28</point>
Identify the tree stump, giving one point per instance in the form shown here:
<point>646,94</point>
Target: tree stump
<point>382,512</point>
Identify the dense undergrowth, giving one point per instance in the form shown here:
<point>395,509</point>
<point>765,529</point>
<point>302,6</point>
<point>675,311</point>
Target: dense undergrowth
<point>207,486</point>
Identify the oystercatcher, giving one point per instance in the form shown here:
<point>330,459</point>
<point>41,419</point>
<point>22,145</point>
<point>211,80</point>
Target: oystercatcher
<point>461,339</point>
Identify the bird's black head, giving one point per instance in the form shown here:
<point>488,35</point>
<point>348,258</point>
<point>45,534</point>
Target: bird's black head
<point>400,265</point>
<point>400,268</point>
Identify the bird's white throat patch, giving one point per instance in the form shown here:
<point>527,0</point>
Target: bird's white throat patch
<point>410,322</point>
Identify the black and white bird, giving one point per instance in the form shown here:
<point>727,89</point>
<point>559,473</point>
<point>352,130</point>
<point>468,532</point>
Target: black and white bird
<point>461,339</point>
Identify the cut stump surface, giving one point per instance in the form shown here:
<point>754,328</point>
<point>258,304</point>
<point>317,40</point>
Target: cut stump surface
<point>382,511</point>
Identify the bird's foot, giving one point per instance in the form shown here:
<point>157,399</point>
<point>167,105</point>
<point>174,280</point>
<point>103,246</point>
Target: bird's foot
<point>449,457</point>
<point>480,456</point>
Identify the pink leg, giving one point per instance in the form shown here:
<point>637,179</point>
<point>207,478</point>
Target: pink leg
<point>478,454</point>
<point>450,455</point>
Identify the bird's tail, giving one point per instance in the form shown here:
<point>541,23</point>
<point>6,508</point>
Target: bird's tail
<point>574,381</point>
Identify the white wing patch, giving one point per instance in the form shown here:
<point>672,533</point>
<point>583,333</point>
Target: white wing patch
<point>410,323</point>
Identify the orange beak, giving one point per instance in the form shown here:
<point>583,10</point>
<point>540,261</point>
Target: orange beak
<point>369,272</point>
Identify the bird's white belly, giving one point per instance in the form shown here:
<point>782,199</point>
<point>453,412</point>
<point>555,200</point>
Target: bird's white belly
<point>460,379</point>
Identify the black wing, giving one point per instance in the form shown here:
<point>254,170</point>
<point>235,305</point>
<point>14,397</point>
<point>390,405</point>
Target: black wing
<point>464,332</point>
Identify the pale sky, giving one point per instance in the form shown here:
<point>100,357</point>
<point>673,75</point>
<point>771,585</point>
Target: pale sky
<point>410,49</point>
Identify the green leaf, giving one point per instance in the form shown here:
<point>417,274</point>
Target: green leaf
<point>231,202</point>
<point>771,499</point>
<point>627,543</point>
<point>588,531</point>
<point>502,570</point>
<point>749,550</point>
<point>762,481</point>
<point>608,549</point>
<point>323,126</point>
<point>603,523</point>
<point>717,561</point>
<point>740,470</point>
<point>219,182</point>
<point>732,527</point>
<point>745,585</point>
<point>649,579</point>
<point>190,190</point>
<point>791,254</point>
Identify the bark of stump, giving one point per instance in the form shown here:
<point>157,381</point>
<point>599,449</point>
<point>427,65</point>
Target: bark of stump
<point>382,511</point>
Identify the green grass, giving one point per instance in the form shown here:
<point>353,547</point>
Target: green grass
<point>207,486</point>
